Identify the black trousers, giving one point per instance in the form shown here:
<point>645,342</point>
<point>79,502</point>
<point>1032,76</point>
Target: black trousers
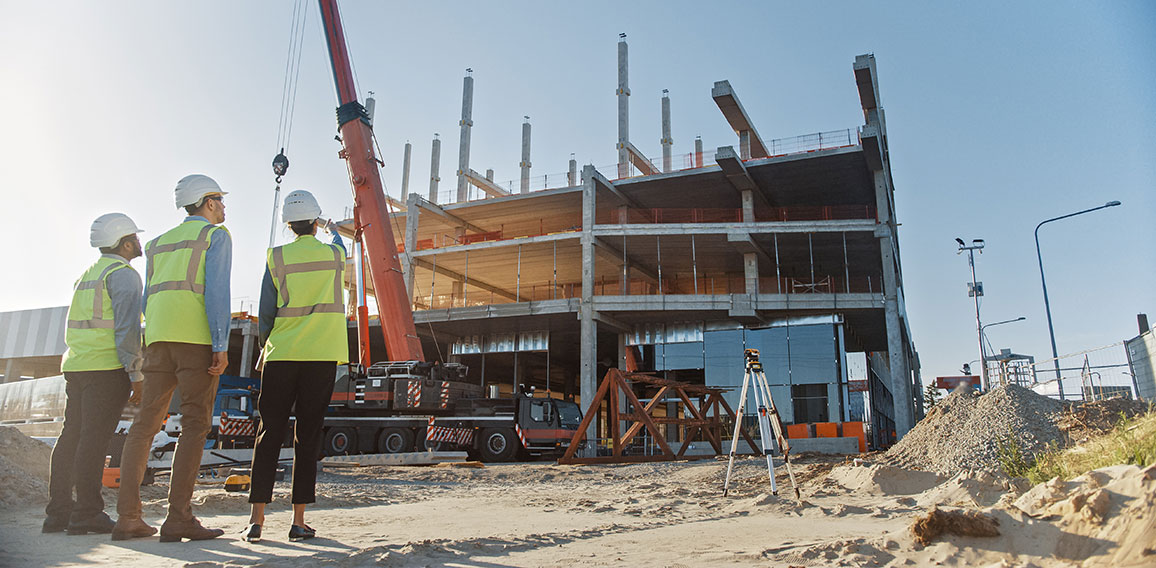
<point>95,401</point>
<point>309,386</point>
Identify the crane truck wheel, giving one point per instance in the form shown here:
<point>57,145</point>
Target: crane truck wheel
<point>339,441</point>
<point>395,440</point>
<point>497,445</point>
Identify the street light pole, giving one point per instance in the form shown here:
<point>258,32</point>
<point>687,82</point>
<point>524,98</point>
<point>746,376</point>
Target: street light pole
<point>1044,285</point>
<point>976,292</point>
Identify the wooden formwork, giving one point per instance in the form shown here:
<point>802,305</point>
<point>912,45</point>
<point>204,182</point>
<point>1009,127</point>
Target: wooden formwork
<point>616,388</point>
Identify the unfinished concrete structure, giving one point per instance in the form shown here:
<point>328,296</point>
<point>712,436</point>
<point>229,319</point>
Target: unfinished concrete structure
<point>788,245</point>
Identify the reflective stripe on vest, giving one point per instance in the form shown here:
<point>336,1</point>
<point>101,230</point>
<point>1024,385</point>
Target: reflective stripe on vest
<point>280,271</point>
<point>90,335</point>
<point>310,322</point>
<point>175,285</point>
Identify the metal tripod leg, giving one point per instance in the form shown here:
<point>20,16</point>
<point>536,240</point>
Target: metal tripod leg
<point>766,436</point>
<point>738,425</point>
<point>775,422</point>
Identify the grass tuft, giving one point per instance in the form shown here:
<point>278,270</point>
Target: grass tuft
<point>1131,441</point>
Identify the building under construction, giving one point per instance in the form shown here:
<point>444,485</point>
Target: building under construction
<point>675,265</point>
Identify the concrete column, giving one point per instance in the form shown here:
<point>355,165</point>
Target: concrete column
<point>248,340</point>
<point>588,335</point>
<point>623,109</point>
<point>412,219</point>
<point>467,122</point>
<point>751,272</point>
<point>435,159</point>
<point>748,206</point>
<point>405,171</point>
<point>745,145</point>
<point>698,151</point>
<point>572,174</point>
<point>667,141</point>
<point>525,163</point>
<point>899,375</point>
<point>490,174</point>
<point>10,375</point>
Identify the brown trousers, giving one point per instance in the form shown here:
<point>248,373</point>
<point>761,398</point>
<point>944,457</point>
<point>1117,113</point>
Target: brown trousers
<point>168,366</point>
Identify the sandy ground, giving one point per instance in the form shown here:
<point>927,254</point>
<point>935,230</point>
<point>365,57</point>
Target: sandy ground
<point>662,514</point>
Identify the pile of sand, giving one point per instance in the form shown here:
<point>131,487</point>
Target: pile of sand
<point>964,430</point>
<point>23,468</point>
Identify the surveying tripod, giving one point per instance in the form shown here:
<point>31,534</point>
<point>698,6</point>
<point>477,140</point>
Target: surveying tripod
<point>770,426</point>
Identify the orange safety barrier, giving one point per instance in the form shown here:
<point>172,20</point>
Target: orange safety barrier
<point>855,430</point>
<point>798,430</point>
<point>826,430</point>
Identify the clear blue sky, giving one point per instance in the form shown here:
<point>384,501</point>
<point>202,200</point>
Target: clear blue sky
<point>1000,115</point>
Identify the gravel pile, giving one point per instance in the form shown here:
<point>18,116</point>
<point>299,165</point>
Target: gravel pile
<point>23,468</point>
<point>964,430</point>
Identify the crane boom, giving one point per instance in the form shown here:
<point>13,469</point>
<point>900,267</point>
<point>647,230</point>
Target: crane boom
<point>370,209</point>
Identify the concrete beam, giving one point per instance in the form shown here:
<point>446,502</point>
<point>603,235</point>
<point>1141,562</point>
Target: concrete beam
<point>871,139</point>
<point>765,227</point>
<point>470,281</point>
<point>600,182</point>
<point>639,160</point>
<point>745,244</point>
<point>613,323</point>
<point>486,185</point>
<point>450,218</point>
<point>728,102</point>
<point>867,81</point>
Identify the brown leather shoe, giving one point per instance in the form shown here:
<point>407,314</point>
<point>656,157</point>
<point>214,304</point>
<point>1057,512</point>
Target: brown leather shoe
<point>131,528</point>
<point>174,531</point>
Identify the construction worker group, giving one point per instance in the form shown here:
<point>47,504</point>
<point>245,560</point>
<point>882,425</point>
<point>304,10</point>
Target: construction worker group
<point>185,303</point>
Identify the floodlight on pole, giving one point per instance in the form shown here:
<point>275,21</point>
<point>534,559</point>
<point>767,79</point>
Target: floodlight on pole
<point>976,291</point>
<point>1044,285</point>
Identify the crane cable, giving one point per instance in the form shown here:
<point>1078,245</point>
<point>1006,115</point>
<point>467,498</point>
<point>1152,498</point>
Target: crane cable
<point>288,106</point>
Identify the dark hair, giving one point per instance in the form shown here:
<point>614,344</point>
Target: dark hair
<point>112,249</point>
<point>301,227</point>
<point>192,209</point>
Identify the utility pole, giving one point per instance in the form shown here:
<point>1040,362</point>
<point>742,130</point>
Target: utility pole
<point>976,291</point>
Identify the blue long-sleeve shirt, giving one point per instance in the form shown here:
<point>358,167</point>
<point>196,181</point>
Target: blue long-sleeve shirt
<point>267,309</point>
<point>218,267</point>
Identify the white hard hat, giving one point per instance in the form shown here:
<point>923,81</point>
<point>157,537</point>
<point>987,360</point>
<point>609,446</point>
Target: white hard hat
<point>300,205</point>
<point>192,188</point>
<point>110,228</point>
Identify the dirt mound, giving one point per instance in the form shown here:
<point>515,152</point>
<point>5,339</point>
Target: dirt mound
<point>883,479</point>
<point>965,430</point>
<point>23,468</point>
<point>1086,419</point>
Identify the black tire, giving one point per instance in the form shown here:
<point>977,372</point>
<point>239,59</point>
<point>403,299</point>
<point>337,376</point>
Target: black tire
<point>339,441</point>
<point>395,440</point>
<point>497,445</point>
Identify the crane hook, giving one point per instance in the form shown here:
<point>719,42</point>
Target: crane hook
<point>280,165</point>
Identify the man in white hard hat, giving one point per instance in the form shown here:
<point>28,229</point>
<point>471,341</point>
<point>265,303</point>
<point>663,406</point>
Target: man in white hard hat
<point>186,308</point>
<point>304,335</point>
<point>101,367</point>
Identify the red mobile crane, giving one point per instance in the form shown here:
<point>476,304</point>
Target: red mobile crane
<point>407,403</point>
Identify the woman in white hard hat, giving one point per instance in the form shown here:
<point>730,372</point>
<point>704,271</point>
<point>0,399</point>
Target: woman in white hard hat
<point>304,336</point>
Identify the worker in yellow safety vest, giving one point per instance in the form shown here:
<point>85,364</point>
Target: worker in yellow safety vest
<point>303,329</point>
<point>101,368</point>
<point>187,315</point>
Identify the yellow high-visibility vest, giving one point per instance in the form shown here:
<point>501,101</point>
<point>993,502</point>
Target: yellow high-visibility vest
<point>310,324</point>
<point>91,333</point>
<point>175,284</point>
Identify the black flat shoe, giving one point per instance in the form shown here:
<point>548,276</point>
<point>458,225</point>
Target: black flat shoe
<point>301,533</point>
<point>253,534</point>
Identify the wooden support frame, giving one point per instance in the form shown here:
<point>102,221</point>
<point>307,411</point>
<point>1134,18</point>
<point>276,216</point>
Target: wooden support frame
<point>616,387</point>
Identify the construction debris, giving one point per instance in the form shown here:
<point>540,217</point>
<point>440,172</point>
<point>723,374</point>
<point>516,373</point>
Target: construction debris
<point>964,523</point>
